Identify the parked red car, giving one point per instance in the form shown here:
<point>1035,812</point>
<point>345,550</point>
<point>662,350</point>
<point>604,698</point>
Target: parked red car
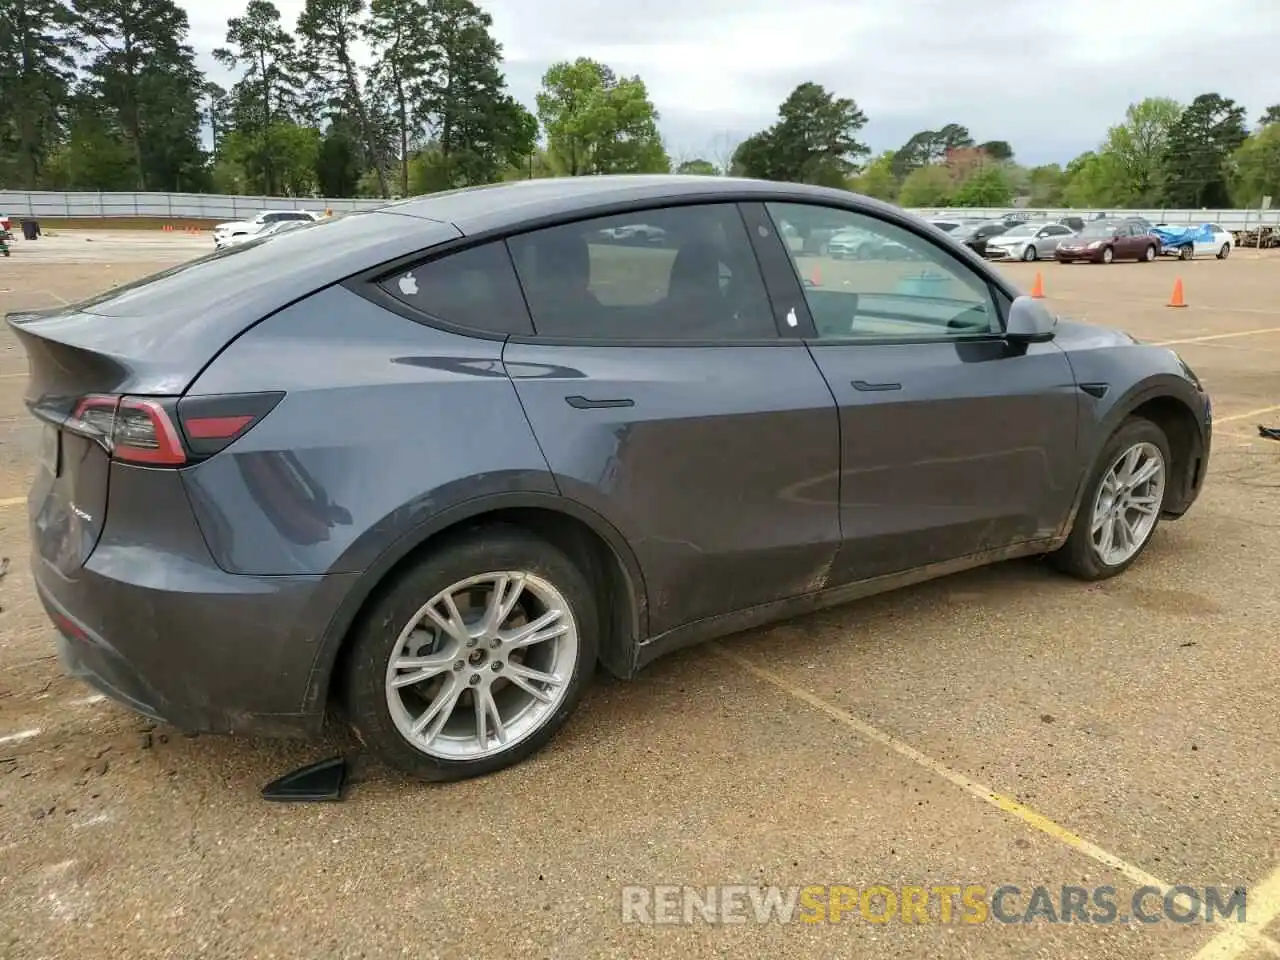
<point>1103,241</point>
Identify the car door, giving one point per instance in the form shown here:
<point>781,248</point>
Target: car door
<point>1208,241</point>
<point>953,441</point>
<point>667,398</point>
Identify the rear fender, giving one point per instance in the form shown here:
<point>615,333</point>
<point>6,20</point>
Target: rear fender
<point>628,629</point>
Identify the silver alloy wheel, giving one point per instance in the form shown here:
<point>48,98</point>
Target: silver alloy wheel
<point>1128,503</point>
<point>1030,252</point>
<point>482,665</point>
<point>1149,254</point>
<point>1108,255</point>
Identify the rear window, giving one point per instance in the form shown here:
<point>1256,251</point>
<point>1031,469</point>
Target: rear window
<point>211,283</point>
<point>475,288</point>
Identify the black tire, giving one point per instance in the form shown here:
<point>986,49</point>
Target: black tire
<point>1108,255</point>
<point>1149,254</point>
<point>1186,252</point>
<point>1077,557</point>
<point>492,548</point>
<point>1030,253</point>
<point>1225,251</point>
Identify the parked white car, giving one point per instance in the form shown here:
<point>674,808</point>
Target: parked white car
<point>270,230</point>
<point>1202,240</point>
<point>223,232</point>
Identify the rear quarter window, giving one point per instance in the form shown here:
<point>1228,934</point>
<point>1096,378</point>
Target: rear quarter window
<point>475,289</point>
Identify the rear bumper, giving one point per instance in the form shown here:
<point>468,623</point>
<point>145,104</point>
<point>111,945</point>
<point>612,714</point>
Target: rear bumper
<point>152,622</point>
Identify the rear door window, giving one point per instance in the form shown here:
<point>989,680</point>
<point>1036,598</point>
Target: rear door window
<point>474,288</point>
<point>671,274</point>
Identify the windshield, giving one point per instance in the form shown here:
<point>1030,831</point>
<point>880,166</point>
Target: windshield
<point>1100,229</point>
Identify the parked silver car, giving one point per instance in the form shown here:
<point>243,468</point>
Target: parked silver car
<point>1028,241</point>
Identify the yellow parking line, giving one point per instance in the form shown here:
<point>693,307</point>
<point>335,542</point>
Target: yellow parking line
<point>1245,416</point>
<point>1217,336</point>
<point>1262,905</point>
<point>1263,901</point>
<point>1008,804</point>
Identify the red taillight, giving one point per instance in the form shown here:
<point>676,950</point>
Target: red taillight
<point>134,429</point>
<point>167,432</point>
<point>215,428</point>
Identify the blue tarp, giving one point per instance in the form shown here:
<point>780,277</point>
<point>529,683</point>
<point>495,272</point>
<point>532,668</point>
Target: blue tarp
<point>1173,237</point>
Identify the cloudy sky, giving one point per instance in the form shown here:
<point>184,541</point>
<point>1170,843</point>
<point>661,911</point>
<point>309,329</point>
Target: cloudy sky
<point>1049,77</point>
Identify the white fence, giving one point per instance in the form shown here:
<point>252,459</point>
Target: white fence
<point>161,206</point>
<point>22,203</point>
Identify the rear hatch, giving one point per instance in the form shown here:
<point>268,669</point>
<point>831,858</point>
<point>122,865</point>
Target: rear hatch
<point>105,374</point>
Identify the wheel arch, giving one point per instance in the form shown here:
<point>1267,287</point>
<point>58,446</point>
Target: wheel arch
<point>591,541</point>
<point>1163,401</point>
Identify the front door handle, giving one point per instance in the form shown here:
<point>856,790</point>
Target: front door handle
<point>582,403</point>
<point>866,387</point>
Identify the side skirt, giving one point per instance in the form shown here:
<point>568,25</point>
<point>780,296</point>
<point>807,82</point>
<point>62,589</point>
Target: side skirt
<point>700,631</point>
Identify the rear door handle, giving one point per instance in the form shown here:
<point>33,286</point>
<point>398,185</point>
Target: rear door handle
<point>866,387</point>
<point>582,403</point>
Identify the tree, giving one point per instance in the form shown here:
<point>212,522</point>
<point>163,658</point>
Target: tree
<point>217,112</point>
<point>144,79</point>
<point>268,92</point>
<point>403,61</point>
<point>1199,145</point>
<point>877,179</point>
<point>988,186</point>
<point>814,140</point>
<point>1139,147</point>
<point>478,127</point>
<point>929,186</point>
<point>1046,185</point>
<point>929,146</point>
<point>699,167</point>
<point>338,168</point>
<point>1257,167</point>
<point>597,122</point>
<point>1092,180</point>
<point>292,151</point>
<point>997,149</point>
<point>328,28</point>
<point>38,41</point>
<point>1270,115</point>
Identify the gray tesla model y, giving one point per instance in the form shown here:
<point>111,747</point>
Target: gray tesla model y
<point>424,468</point>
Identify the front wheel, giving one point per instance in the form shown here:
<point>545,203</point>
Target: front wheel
<point>1030,253</point>
<point>1121,505</point>
<point>473,658</point>
<point>1108,255</point>
<point>1225,251</point>
<point>1186,252</point>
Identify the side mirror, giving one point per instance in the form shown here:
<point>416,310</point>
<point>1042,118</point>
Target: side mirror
<point>1029,321</point>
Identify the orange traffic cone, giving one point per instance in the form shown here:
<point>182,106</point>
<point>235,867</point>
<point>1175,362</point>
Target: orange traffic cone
<point>1037,288</point>
<point>816,279</point>
<point>1177,300</point>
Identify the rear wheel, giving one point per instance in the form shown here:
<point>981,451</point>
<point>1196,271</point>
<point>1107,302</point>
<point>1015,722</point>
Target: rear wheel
<point>1149,254</point>
<point>472,659</point>
<point>1121,505</point>
<point>1225,251</point>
